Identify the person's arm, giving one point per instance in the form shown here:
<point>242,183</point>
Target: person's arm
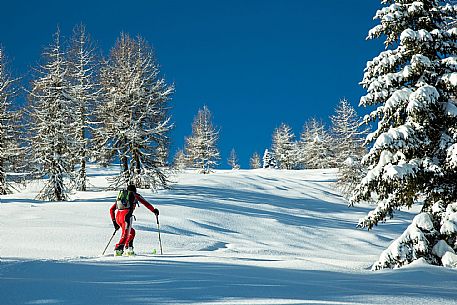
<point>113,217</point>
<point>111,212</point>
<point>146,204</point>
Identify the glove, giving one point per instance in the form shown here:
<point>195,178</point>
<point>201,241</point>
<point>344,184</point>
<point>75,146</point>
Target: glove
<point>116,226</point>
<point>156,211</point>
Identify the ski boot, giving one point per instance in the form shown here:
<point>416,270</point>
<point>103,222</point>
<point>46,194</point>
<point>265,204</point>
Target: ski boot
<point>119,250</point>
<point>129,251</point>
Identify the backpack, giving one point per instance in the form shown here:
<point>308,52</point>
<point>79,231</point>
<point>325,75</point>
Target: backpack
<point>125,200</point>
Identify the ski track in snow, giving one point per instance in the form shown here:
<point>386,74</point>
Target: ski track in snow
<point>231,237</point>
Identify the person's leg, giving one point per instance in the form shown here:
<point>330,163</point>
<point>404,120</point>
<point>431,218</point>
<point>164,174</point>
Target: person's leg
<point>131,235</point>
<point>129,241</point>
<point>120,219</point>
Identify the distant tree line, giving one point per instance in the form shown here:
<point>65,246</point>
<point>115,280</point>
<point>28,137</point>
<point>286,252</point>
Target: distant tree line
<point>340,146</point>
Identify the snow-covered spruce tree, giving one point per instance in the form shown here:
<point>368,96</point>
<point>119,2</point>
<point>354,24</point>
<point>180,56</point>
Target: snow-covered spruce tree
<point>134,114</point>
<point>283,146</point>
<point>269,160</point>
<point>348,147</point>
<point>413,158</point>
<point>9,145</point>
<point>201,146</point>
<point>50,123</point>
<point>84,90</point>
<point>254,162</point>
<point>233,160</point>
<point>316,146</point>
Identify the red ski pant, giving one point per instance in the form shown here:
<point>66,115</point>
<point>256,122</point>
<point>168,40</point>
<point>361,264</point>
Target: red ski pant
<point>124,220</point>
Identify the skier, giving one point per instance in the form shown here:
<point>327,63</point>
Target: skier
<point>125,204</point>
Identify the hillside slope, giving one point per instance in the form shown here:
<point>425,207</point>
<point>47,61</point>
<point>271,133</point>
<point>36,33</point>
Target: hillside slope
<point>232,237</point>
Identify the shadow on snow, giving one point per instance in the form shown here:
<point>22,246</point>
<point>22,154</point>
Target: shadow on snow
<point>165,281</point>
<point>306,211</point>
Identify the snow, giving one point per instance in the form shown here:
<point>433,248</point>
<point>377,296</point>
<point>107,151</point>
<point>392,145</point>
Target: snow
<point>400,171</point>
<point>398,98</point>
<point>441,248</point>
<point>385,139</point>
<point>416,7</point>
<point>390,166</point>
<point>449,259</point>
<point>411,35</point>
<point>452,155</point>
<point>452,31</point>
<point>450,79</point>
<point>423,222</point>
<point>413,238</point>
<point>450,109</point>
<point>420,60</point>
<point>421,98</point>
<point>450,62</point>
<point>407,34</point>
<point>231,237</point>
<point>398,135</point>
<point>449,225</point>
<point>349,161</point>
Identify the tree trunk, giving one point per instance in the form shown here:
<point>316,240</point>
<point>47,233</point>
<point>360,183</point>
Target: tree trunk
<point>125,169</point>
<point>82,174</point>
<point>3,187</point>
<point>58,187</point>
<point>82,170</point>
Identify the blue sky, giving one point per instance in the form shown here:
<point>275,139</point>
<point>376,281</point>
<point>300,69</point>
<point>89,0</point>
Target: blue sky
<point>255,64</point>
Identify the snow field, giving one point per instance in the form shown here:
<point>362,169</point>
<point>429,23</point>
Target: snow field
<point>231,237</point>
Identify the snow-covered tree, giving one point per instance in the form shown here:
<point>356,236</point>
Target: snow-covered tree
<point>180,160</point>
<point>134,114</point>
<point>254,162</point>
<point>9,147</point>
<point>50,123</point>
<point>201,146</point>
<point>350,172</point>
<point>83,93</point>
<point>347,133</point>
<point>413,158</point>
<point>163,151</point>
<point>348,146</point>
<point>316,146</point>
<point>269,160</point>
<point>283,146</point>
<point>233,160</point>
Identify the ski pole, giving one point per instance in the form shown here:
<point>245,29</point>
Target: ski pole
<point>114,233</point>
<point>158,230</point>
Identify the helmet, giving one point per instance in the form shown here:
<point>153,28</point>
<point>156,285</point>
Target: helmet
<point>131,188</point>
